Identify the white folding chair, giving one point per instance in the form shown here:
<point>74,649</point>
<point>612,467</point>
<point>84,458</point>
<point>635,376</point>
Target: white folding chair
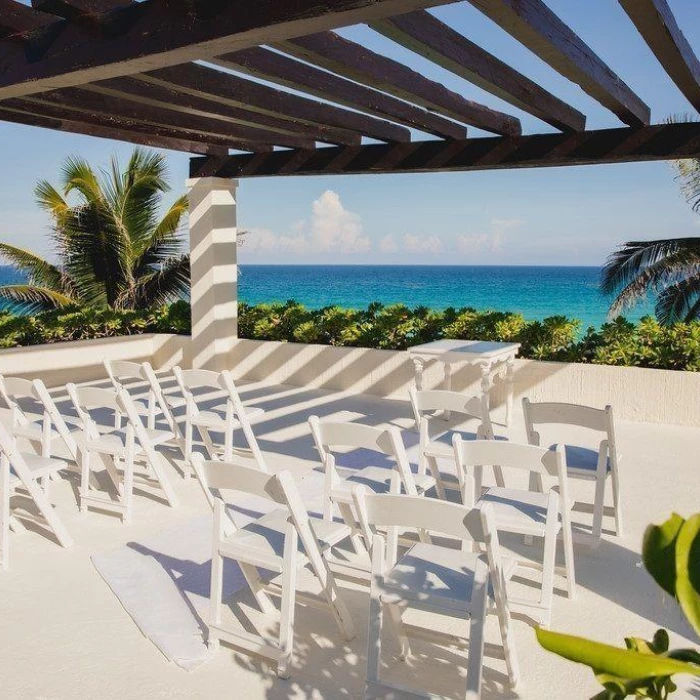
<point>39,421</point>
<point>20,471</point>
<point>389,470</point>
<point>138,378</point>
<point>596,462</point>
<point>226,416</point>
<point>116,446</point>
<point>542,513</point>
<point>433,411</point>
<point>434,577</point>
<point>283,541</point>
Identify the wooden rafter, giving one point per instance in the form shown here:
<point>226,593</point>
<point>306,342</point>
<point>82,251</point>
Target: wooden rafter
<point>347,58</point>
<point>91,104</point>
<point>16,18</point>
<point>656,23</point>
<point>661,142</point>
<point>129,135</point>
<point>534,25</point>
<point>157,33</point>
<point>268,65</point>
<point>163,97</point>
<point>241,92</point>
<point>69,9</point>
<point>433,39</point>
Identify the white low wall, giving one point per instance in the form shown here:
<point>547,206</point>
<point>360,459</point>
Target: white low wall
<point>648,395</point>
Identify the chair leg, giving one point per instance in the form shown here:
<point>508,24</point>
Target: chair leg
<point>617,504</point>
<point>567,537</point>
<point>599,505</point>
<point>374,637</point>
<point>507,637</point>
<point>475,662</point>
<point>548,563</point>
<point>84,478</point>
<point>355,538</point>
<point>435,472</point>
<point>397,624</point>
<point>215,592</point>
<point>188,447</point>
<point>127,495</point>
<point>338,609</point>
<point>289,586</point>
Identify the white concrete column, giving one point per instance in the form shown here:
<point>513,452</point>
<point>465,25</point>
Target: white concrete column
<point>214,271</point>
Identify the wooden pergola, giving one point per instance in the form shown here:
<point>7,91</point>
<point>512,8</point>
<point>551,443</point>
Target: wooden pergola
<point>274,82</point>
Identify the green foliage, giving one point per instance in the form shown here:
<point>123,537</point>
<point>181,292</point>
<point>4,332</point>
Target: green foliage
<point>395,327</point>
<point>115,248</point>
<point>671,554</point>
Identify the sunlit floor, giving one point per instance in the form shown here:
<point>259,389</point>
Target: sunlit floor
<point>65,635</point>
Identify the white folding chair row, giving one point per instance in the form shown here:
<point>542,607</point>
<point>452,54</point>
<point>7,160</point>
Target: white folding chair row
<point>388,471</point>
<point>117,446</point>
<point>433,412</point>
<point>283,542</point>
<point>225,418</point>
<point>434,577</point>
<point>20,471</point>
<point>596,463</point>
<point>138,378</point>
<point>541,512</point>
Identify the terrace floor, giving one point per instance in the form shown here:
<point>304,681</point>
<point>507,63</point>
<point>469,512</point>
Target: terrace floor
<point>65,635</point>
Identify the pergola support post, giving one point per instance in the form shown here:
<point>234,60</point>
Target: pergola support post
<point>214,271</point>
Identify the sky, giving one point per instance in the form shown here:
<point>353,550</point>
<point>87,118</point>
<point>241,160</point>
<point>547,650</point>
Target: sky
<point>545,216</point>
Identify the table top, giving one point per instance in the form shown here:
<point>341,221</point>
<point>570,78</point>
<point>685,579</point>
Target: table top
<point>464,350</point>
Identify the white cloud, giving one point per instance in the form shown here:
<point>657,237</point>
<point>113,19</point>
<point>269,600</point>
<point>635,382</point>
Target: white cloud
<point>331,228</point>
<point>422,244</point>
<point>488,242</point>
<point>388,244</point>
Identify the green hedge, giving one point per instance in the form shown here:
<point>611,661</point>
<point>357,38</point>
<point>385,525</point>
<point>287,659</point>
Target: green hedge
<point>396,327</point>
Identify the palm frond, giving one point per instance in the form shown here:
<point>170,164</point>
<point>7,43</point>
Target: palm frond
<point>166,240</point>
<point>39,271</point>
<point>35,298</point>
<point>169,283</point>
<point>678,301</point>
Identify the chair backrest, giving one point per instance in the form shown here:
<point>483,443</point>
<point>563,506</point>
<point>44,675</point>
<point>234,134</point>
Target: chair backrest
<point>552,413</point>
<point>117,370</point>
<point>425,402</point>
<point>189,379</point>
<point>13,390</point>
<point>430,515</point>
<point>329,435</point>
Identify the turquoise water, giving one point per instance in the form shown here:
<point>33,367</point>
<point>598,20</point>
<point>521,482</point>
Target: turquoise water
<point>536,292</point>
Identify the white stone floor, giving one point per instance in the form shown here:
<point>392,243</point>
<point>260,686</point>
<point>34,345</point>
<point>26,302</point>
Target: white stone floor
<point>63,634</point>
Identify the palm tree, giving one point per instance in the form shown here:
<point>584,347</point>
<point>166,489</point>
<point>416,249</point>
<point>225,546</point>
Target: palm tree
<point>670,268</point>
<point>113,248</point>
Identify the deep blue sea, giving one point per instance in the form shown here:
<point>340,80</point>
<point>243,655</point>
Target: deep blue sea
<point>536,292</point>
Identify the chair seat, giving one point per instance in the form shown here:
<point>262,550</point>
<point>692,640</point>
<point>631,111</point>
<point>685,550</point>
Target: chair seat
<point>216,419</point>
<point>436,577</point>
<point>32,431</point>
<point>175,401</point>
<point>261,542</point>
<point>581,462</point>
<point>377,479</point>
<point>38,466</point>
<point>519,511</point>
<point>114,442</point>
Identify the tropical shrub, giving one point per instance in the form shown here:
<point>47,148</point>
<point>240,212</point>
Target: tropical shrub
<point>395,327</point>
<point>645,669</point>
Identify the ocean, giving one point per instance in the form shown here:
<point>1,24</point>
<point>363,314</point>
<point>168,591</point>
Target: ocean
<point>536,292</point>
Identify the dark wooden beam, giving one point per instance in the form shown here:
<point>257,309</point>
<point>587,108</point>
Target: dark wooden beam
<point>268,65</point>
<point>436,41</point>
<point>76,127</point>
<point>70,9</point>
<point>622,145</point>
<point>655,22</point>
<point>246,94</point>
<point>156,33</point>
<point>347,58</point>
<point>533,24</point>
<point>164,97</point>
<point>16,18</point>
<point>92,103</point>
<point>29,105</point>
